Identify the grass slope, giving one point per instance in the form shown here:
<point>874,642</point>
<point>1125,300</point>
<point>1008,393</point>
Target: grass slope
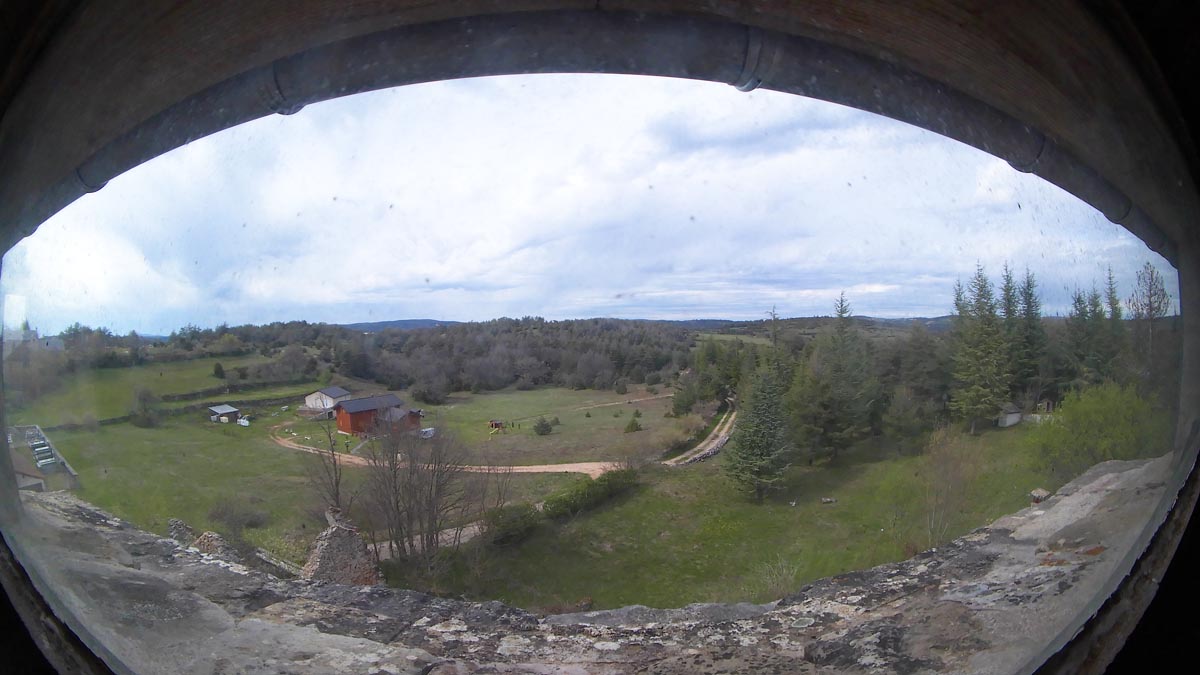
<point>188,466</point>
<point>108,392</point>
<point>579,438</point>
<point>685,536</point>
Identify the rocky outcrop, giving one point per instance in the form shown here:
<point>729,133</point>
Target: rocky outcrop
<point>215,545</point>
<point>340,555</point>
<point>987,602</point>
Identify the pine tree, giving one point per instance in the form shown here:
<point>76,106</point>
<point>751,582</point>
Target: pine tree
<point>757,454</point>
<point>833,394</point>
<point>980,358</point>
<point>1010,313</point>
<point>1115,340</point>
<point>1032,338</point>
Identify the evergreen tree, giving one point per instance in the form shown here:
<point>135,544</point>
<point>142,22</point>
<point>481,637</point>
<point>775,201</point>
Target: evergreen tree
<point>834,394</point>
<point>757,454</point>
<point>1010,313</point>
<point>1115,341</point>
<point>980,358</point>
<point>1032,340</point>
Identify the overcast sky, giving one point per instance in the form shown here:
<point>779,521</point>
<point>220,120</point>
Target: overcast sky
<point>559,196</point>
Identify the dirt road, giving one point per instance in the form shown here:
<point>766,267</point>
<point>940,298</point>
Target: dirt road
<point>593,469</point>
<point>720,434</point>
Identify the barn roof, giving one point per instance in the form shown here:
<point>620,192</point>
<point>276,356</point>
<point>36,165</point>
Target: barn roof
<point>1010,409</point>
<point>222,409</point>
<point>334,392</point>
<point>377,402</point>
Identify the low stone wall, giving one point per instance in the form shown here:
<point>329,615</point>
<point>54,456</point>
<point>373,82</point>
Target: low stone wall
<point>985,603</point>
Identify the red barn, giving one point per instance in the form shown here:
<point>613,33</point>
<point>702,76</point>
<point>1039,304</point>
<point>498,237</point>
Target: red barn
<point>357,415</point>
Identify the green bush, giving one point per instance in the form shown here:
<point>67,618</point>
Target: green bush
<point>632,426</point>
<point>509,524</point>
<point>542,426</point>
<point>1098,424</point>
<point>587,494</point>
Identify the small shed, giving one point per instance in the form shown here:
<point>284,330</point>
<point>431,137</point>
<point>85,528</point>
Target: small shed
<point>1010,415</point>
<point>357,415</point>
<point>325,399</point>
<point>28,476</point>
<point>228,412</point>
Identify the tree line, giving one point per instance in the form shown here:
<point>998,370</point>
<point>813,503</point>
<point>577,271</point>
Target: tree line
<point>429,362</point>
<point>815,400</point>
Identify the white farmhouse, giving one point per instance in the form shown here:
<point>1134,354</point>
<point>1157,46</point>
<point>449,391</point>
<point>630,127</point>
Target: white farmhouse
<point>325,399</point>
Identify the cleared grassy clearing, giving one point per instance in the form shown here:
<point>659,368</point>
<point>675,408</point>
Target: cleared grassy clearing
<point>108,392</point>
<point>685,536</point>
<point>188,466</point>
<point>733,337</point>
<point>592,425</point>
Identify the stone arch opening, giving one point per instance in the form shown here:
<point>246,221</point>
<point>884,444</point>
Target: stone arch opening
<point>277,65</point>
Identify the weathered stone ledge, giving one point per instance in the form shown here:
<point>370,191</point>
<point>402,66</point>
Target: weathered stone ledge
<point>987,602</point>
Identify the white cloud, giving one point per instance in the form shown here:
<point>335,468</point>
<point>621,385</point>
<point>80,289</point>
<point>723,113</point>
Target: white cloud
<point>555,195</point>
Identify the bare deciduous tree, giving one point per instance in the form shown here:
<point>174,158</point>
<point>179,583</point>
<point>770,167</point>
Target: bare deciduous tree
<point>1148,303</point>
<point>421,494</point>
<point>325,471</point>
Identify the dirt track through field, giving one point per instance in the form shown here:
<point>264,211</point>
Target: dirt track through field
<point>593,469</point>
<point>719,433</point>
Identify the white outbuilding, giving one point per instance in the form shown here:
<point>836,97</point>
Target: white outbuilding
<point>325,399</point>
<point>1009,416</point>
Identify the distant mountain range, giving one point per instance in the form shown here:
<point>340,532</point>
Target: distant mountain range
<point>401,324</point>
<point>934,324</point>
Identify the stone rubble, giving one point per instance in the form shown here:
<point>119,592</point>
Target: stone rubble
<point>340,555</point>
<point>214,544</point>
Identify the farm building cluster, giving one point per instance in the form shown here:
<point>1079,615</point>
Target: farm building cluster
<point>355,416</point>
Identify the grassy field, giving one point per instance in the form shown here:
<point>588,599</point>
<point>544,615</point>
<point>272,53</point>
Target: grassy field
<point>188,466</point>
<point>108,392</point>
<point>592,425</point>
<point>682,536</point>
<point>728,337</point>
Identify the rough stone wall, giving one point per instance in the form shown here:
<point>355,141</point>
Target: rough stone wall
<point>215,545</point>
<point>180,531</point>
<point>987,602</point>
<point>340,555</point>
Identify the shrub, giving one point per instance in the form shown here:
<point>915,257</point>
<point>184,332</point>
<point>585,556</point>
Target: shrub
<point>587,494</point>
<point>554,422</point>
<point>542,426</point>
<point>509,524</point>
<point>653,379</point>
<point>637,412</point>
<point>587,414</point>
<point>632,426</point>
<point>1098,424</point>
<point>218,371</point>
<point>622,386</point>
<point>144,412</point>
<point>237,515</point>
<point>653,391</point>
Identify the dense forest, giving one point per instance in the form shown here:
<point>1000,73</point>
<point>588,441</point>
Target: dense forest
<point>429,362</point>
<point>811,399</point>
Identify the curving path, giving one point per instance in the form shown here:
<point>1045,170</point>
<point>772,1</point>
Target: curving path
<point>593,469</point>
<point>719,434</point>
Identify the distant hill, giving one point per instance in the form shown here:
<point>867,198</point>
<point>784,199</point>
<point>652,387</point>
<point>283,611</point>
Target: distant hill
<point>401,324</point>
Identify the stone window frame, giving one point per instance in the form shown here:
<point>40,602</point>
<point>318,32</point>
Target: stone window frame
<point>76,115</point>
